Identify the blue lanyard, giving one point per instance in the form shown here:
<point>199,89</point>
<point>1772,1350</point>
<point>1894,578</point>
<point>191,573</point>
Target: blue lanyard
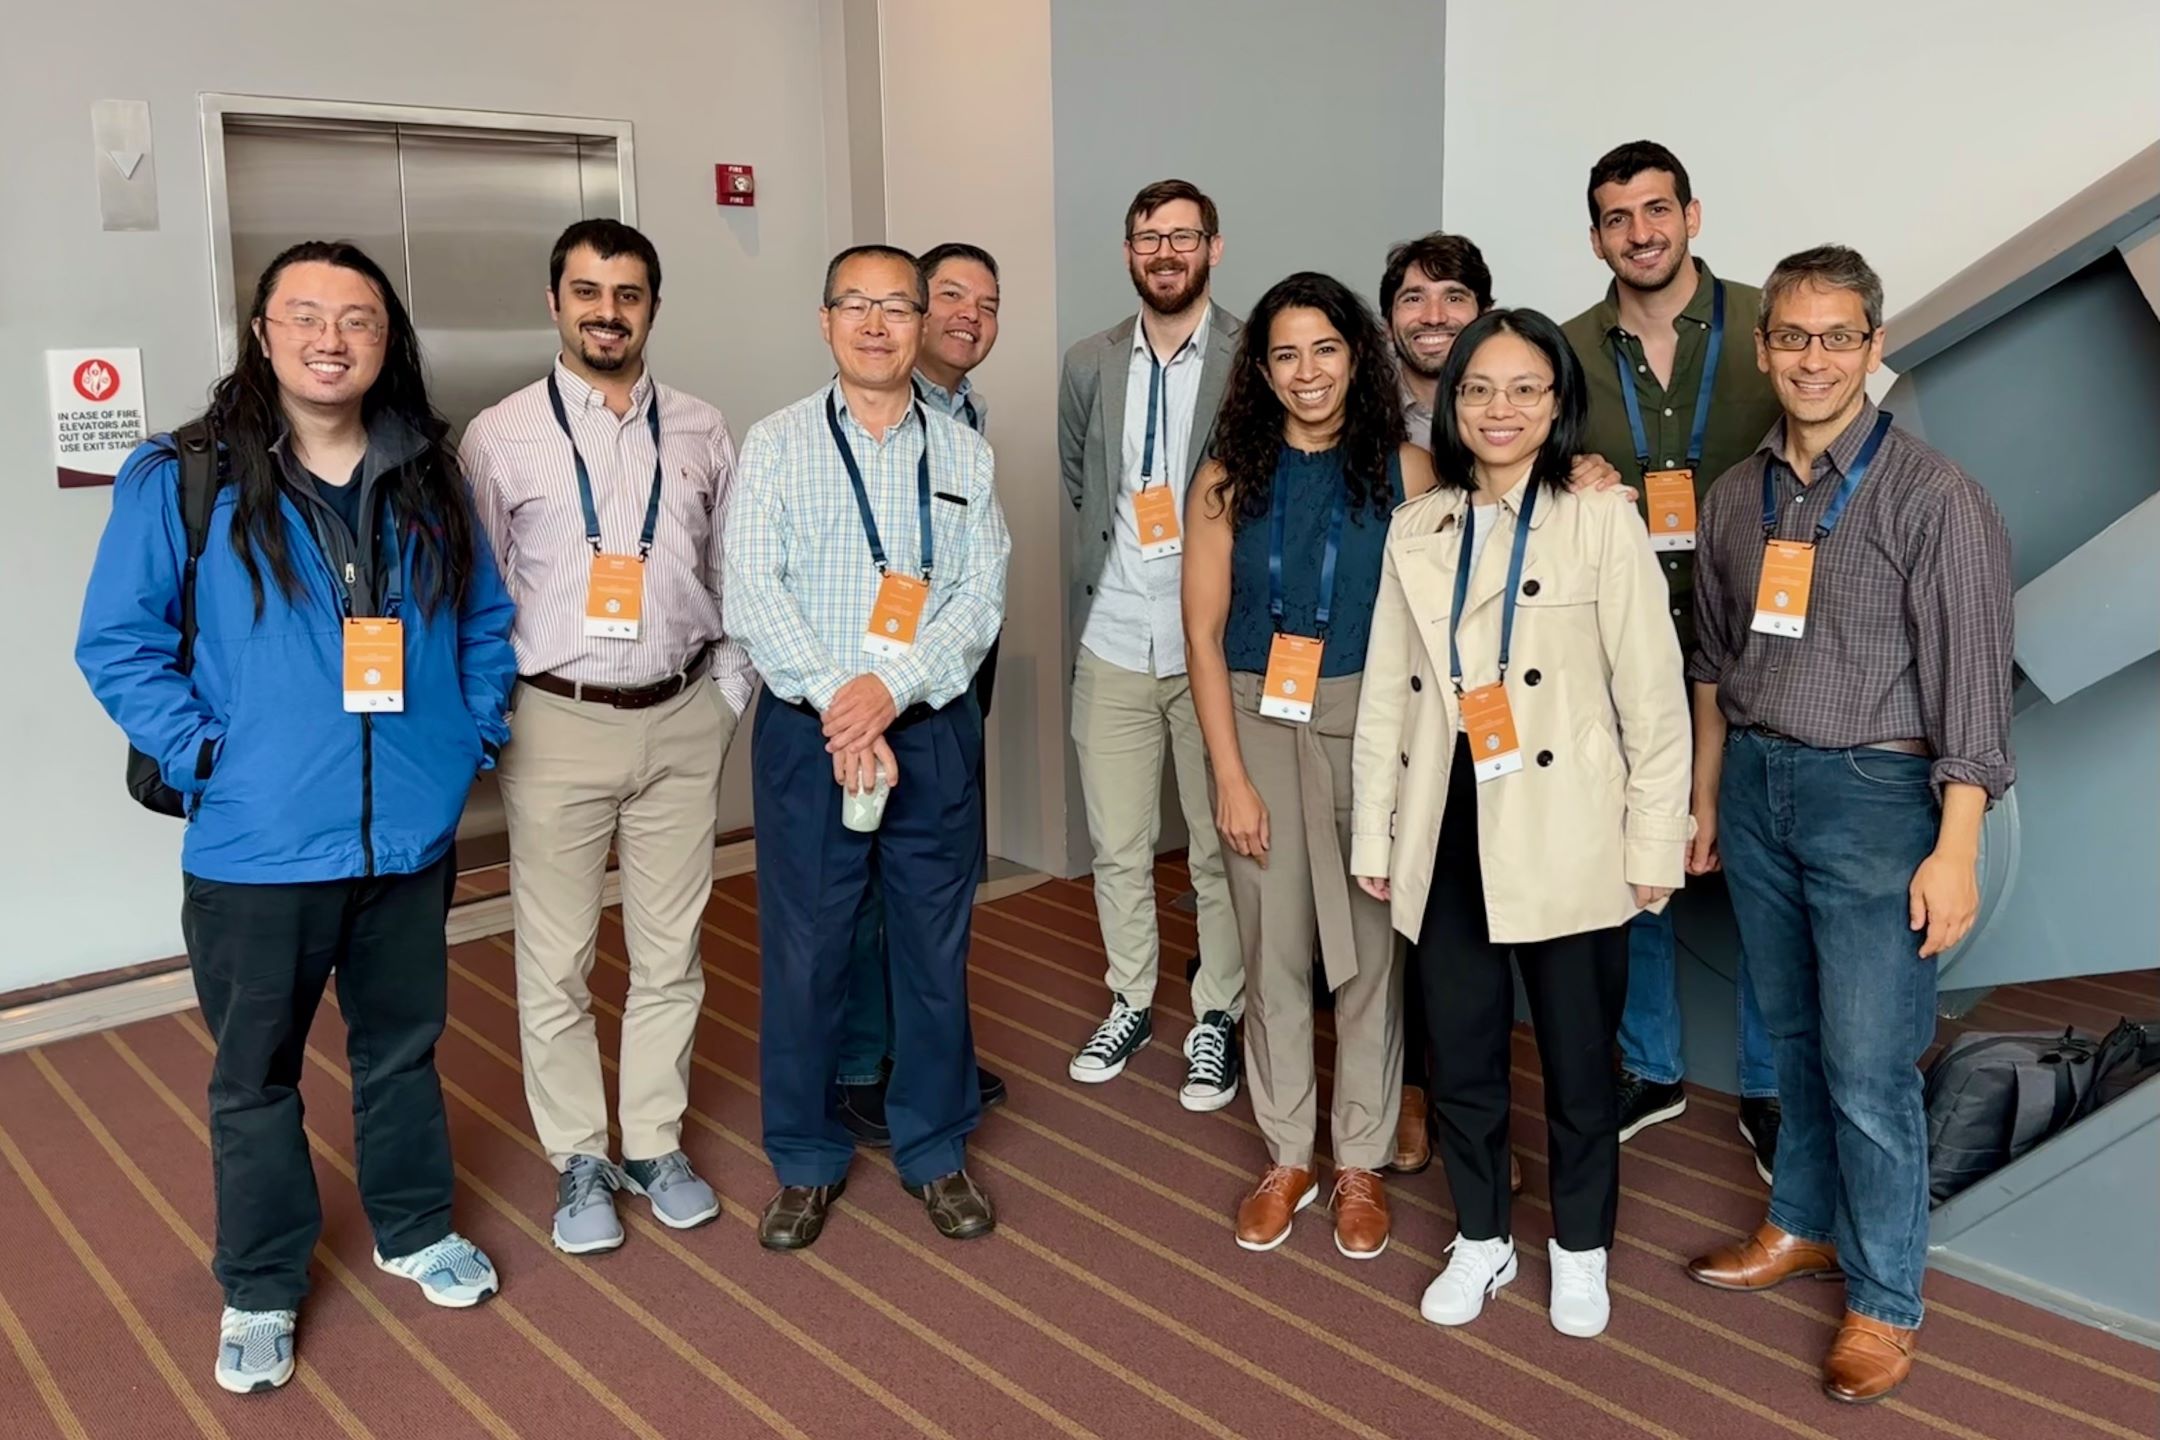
<point>1514,581</point>
<point>1838,502</point>
<point>584,478</point>
<point>1702,391</point>
<point>1327,558</point>
<point>1154,399</point>
<point>862,496</point>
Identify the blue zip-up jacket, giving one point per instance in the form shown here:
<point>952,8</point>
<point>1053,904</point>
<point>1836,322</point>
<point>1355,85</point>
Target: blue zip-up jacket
<point>282,785</point>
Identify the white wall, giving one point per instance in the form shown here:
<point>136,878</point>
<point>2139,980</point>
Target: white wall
<point>953,173</point>
<point>87,881</point>
<point>1923,133</point>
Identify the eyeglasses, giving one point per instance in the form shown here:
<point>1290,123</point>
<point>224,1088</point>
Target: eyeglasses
<point>359,329</point>
<point>856,308</point>
<point>1840,341</point>
<point>1523,394</point>
<point>1147,242</point>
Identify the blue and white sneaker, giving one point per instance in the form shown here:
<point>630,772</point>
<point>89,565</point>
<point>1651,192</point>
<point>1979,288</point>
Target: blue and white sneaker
<point>585,1219</point>
<point>680,1200</point>
<point>452,1272</point>
<point>255,1349</point>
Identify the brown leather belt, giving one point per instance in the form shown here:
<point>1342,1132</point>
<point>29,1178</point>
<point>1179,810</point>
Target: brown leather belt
<point>623,697</point>
<point>1901,747</point>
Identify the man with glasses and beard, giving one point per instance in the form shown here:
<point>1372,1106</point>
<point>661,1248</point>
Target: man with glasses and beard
<point>1674,403</point>
<point>1136,410</point>
<point>606,495</point>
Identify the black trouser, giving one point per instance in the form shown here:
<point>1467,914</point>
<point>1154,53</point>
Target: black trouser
<point>1577,986</point>
<point>262,954</point>
<point>985,682</point>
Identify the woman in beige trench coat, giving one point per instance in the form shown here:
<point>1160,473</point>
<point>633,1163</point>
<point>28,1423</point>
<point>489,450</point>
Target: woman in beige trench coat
<point>1521,787</point>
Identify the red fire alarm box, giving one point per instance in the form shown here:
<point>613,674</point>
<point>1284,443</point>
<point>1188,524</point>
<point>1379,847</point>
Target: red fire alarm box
<point>735,184</point>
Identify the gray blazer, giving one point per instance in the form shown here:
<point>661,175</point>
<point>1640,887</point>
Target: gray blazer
<point>1091,439</point>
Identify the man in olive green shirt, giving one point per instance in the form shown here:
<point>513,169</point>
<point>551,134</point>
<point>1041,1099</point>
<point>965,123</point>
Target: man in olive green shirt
<point>1661,318</point>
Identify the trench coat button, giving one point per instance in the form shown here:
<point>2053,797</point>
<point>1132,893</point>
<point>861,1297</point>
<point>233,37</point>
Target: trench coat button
<point>1531,677</point>
<point>1529,587</point>
<point>1090,589</point>
<point>1416,684</point>
<point>1406,760</point>
<point>1106,535</point>
<point>1544,757</point>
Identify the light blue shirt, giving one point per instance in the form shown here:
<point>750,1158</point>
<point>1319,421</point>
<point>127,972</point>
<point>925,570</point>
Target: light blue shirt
<point>1138,622</point>
<point>963,402</point>
<point>800,580</point>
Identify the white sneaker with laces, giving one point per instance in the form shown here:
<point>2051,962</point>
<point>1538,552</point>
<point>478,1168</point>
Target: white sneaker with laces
<point>452,1272</point>
<point>1478,1269</point>
<point>255,1349</point>
<point>1580,1306</point>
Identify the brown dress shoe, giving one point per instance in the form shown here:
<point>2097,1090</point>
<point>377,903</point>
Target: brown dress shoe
<point>1361,1214</point>
<point>1263,1219</point>
<point>958,1207</point>
<point>1413,1133</point>
<point>1766,1258</point>
<point>1867,1361</point>
<point>1514,1174</point>
<point>795,1217</point>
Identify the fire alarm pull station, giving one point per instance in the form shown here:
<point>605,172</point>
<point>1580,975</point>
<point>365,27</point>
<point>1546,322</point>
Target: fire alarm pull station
<point>735,184</point>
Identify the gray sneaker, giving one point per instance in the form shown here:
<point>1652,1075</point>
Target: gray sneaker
<point>585,1220</point>
<point>679,1199</point>
<point>255,1349</point>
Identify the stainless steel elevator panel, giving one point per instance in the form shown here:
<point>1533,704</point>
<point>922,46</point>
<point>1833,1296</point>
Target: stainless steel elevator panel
<point>481,214</point>
<point>287,183</point>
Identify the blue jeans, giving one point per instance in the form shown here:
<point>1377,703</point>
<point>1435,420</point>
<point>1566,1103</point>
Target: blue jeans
<point>1650,1026</point>
<point>1820,848</point>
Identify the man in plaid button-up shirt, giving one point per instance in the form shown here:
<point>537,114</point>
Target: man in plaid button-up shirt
<point>1841,778</point>
<point>834,498</point>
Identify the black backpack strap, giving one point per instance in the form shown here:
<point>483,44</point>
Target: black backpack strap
<point>198,493</point>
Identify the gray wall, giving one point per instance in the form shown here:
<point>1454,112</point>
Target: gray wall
<point>88,881</point>
<point>1316,130</point>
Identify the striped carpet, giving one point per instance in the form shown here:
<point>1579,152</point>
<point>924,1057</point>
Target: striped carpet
<point>1111,1301</point>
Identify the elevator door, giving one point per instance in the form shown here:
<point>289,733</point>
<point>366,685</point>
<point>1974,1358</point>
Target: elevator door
<point>461,217</point>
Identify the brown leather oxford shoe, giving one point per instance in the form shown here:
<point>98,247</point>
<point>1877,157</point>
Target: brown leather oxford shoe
<point>1868,1360</point>
<point>1766,1258</point>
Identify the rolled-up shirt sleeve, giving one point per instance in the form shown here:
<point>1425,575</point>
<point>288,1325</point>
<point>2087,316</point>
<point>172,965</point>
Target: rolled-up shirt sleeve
<point>1963,608</point>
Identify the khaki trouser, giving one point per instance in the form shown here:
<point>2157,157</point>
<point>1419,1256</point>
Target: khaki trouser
<point>576,777</point>
<point>1303,775</point>
<point>1119,718</point>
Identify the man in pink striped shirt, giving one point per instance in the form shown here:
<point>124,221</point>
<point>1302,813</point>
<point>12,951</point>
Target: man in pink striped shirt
<point>605,495</point>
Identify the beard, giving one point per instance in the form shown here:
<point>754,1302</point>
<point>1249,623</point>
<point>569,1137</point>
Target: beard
<point>1182,298</point>
<point>1675,258</point>
<point>1429,367</point>
<point>602,360</point>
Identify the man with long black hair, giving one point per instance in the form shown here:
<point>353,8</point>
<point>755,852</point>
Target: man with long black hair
<point>348,681</point>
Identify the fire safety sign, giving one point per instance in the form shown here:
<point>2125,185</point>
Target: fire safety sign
<point>97,412</point>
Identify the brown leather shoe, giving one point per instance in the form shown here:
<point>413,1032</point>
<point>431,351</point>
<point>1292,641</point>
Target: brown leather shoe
<point>1413,1133</point>
<point>1514,1174</point>
<point>795,1217</point>
<point>1263,1218</point>
<point>1361,1214</point>
<point>1868,1360</point>
<point>1766,1258</point>
<point>958,1207</point>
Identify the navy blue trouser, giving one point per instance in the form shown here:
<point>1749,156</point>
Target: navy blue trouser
<point>866,1034</point>
<point>812,872</point>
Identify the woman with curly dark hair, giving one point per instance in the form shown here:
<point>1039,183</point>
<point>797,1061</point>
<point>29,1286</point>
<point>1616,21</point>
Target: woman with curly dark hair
<point>1284,536</point>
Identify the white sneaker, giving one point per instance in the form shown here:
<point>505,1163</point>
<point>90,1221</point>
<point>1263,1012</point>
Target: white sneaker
<point>255,1349</point>
<point>452,1272</point>
<point>1580,1306</point>
<point>1479,1268</point>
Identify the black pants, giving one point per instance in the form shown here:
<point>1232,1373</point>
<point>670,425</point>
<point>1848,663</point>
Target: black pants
<point>1577,986</point>
<point>262,955</point>
<point>985,683</point>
